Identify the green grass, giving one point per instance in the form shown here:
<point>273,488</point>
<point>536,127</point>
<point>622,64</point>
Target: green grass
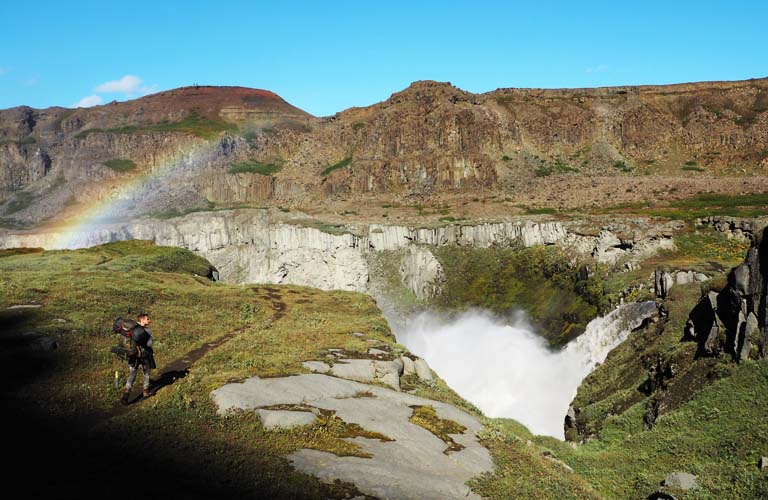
<point>542,281</point>
<point>21,142</point>
<point>87,289</point>
<point>702,205</point>
<point>120,165</point>
<point>192,124</point>
<point>622,166</point>
<point>254,167</point>
<point>358,125</point>
<point>340,164</point>
<point>540,211</point>
<point>692,168</point>
<point>558,167</point>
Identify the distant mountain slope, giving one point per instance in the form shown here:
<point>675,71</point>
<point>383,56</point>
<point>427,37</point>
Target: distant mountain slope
<point>233,145</point>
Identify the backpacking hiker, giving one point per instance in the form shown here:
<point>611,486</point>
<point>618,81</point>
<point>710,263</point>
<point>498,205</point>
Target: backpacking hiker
<point>138,352</point>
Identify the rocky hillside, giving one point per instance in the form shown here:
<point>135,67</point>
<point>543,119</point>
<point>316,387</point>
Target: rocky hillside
<point>683,394</point>
<point>199,147</point>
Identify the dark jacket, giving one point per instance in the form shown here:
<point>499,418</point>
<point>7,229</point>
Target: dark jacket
<point>143,338</point>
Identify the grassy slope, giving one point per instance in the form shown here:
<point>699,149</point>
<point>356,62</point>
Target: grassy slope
<point>185,447</point>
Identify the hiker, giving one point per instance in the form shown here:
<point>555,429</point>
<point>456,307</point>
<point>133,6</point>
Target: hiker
<point>144,358</point>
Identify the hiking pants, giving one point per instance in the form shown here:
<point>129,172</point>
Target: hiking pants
<point>134,371</point>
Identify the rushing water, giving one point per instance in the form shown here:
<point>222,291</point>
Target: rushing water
<point>507,370</point>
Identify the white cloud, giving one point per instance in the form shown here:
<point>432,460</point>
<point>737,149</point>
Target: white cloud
<point>597,69</point>
<point>87,102</point>
<point>129,84</point>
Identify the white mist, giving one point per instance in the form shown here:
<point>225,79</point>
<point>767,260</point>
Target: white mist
<point>506,370</point>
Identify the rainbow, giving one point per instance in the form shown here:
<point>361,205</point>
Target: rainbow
<point>95,221</point>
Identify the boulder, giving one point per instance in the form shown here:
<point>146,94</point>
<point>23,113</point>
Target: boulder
<point>376,352</point>
<point>361,370</point>
<point>423,370</point>
<point>749,336</point>
<point>680,481</point>
<point>739,279</point>
<point>385,367</point>
<point>391,379</point>
<point>400,366</point>
<point>408,366</point>
<point>762,464</point>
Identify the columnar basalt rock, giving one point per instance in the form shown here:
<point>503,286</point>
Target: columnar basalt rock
<point>733,321</point>
<point>268,246</point>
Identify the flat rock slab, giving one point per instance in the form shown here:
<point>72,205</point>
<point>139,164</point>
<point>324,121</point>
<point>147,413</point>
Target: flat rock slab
<point>413,466</point>
<point>25,306</point>
<point>282,419</point>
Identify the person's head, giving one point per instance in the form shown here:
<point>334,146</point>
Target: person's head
<point>143,319</point>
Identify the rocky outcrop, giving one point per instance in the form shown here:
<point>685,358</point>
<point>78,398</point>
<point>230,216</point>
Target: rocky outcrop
<point>733,321</point>
<point>401,459</point>
<point>421,272</point>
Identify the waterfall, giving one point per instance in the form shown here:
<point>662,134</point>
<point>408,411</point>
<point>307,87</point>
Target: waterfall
<point>506,370</point>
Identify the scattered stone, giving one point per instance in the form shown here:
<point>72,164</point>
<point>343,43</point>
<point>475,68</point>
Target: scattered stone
<point>26,306</point>
<point>763,463</point>
<point>316,366</point>
<point>282,419</point>
<point>335,350</point>
<point>358,334</point>
<point>423,370</point>
<point>60,320</point>
<point>680,481</point>
<point>377,352</point>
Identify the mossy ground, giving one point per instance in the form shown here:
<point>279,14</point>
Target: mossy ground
<point>711,421</point>
<point>63,404</point>
<point>542,281</point>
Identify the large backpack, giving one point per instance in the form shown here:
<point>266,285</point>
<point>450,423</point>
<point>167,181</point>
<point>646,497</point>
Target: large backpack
<point>126,344</point>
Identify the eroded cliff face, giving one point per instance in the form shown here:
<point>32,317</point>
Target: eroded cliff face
<point>268,246</point>
<point>565,148</point>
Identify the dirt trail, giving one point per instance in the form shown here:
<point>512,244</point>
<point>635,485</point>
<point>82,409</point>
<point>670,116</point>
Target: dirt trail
<point>170,373</point>
<point>179,368</point>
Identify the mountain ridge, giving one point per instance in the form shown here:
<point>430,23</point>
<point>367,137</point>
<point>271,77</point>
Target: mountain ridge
<point>431,142</point>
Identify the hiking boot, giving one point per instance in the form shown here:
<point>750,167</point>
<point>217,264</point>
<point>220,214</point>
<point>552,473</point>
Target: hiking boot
<point>146,393</point>
<point>124,397</point>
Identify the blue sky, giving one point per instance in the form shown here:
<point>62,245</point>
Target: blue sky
<point>327,56</point>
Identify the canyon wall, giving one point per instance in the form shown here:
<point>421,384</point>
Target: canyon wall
<point>268,246</point>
